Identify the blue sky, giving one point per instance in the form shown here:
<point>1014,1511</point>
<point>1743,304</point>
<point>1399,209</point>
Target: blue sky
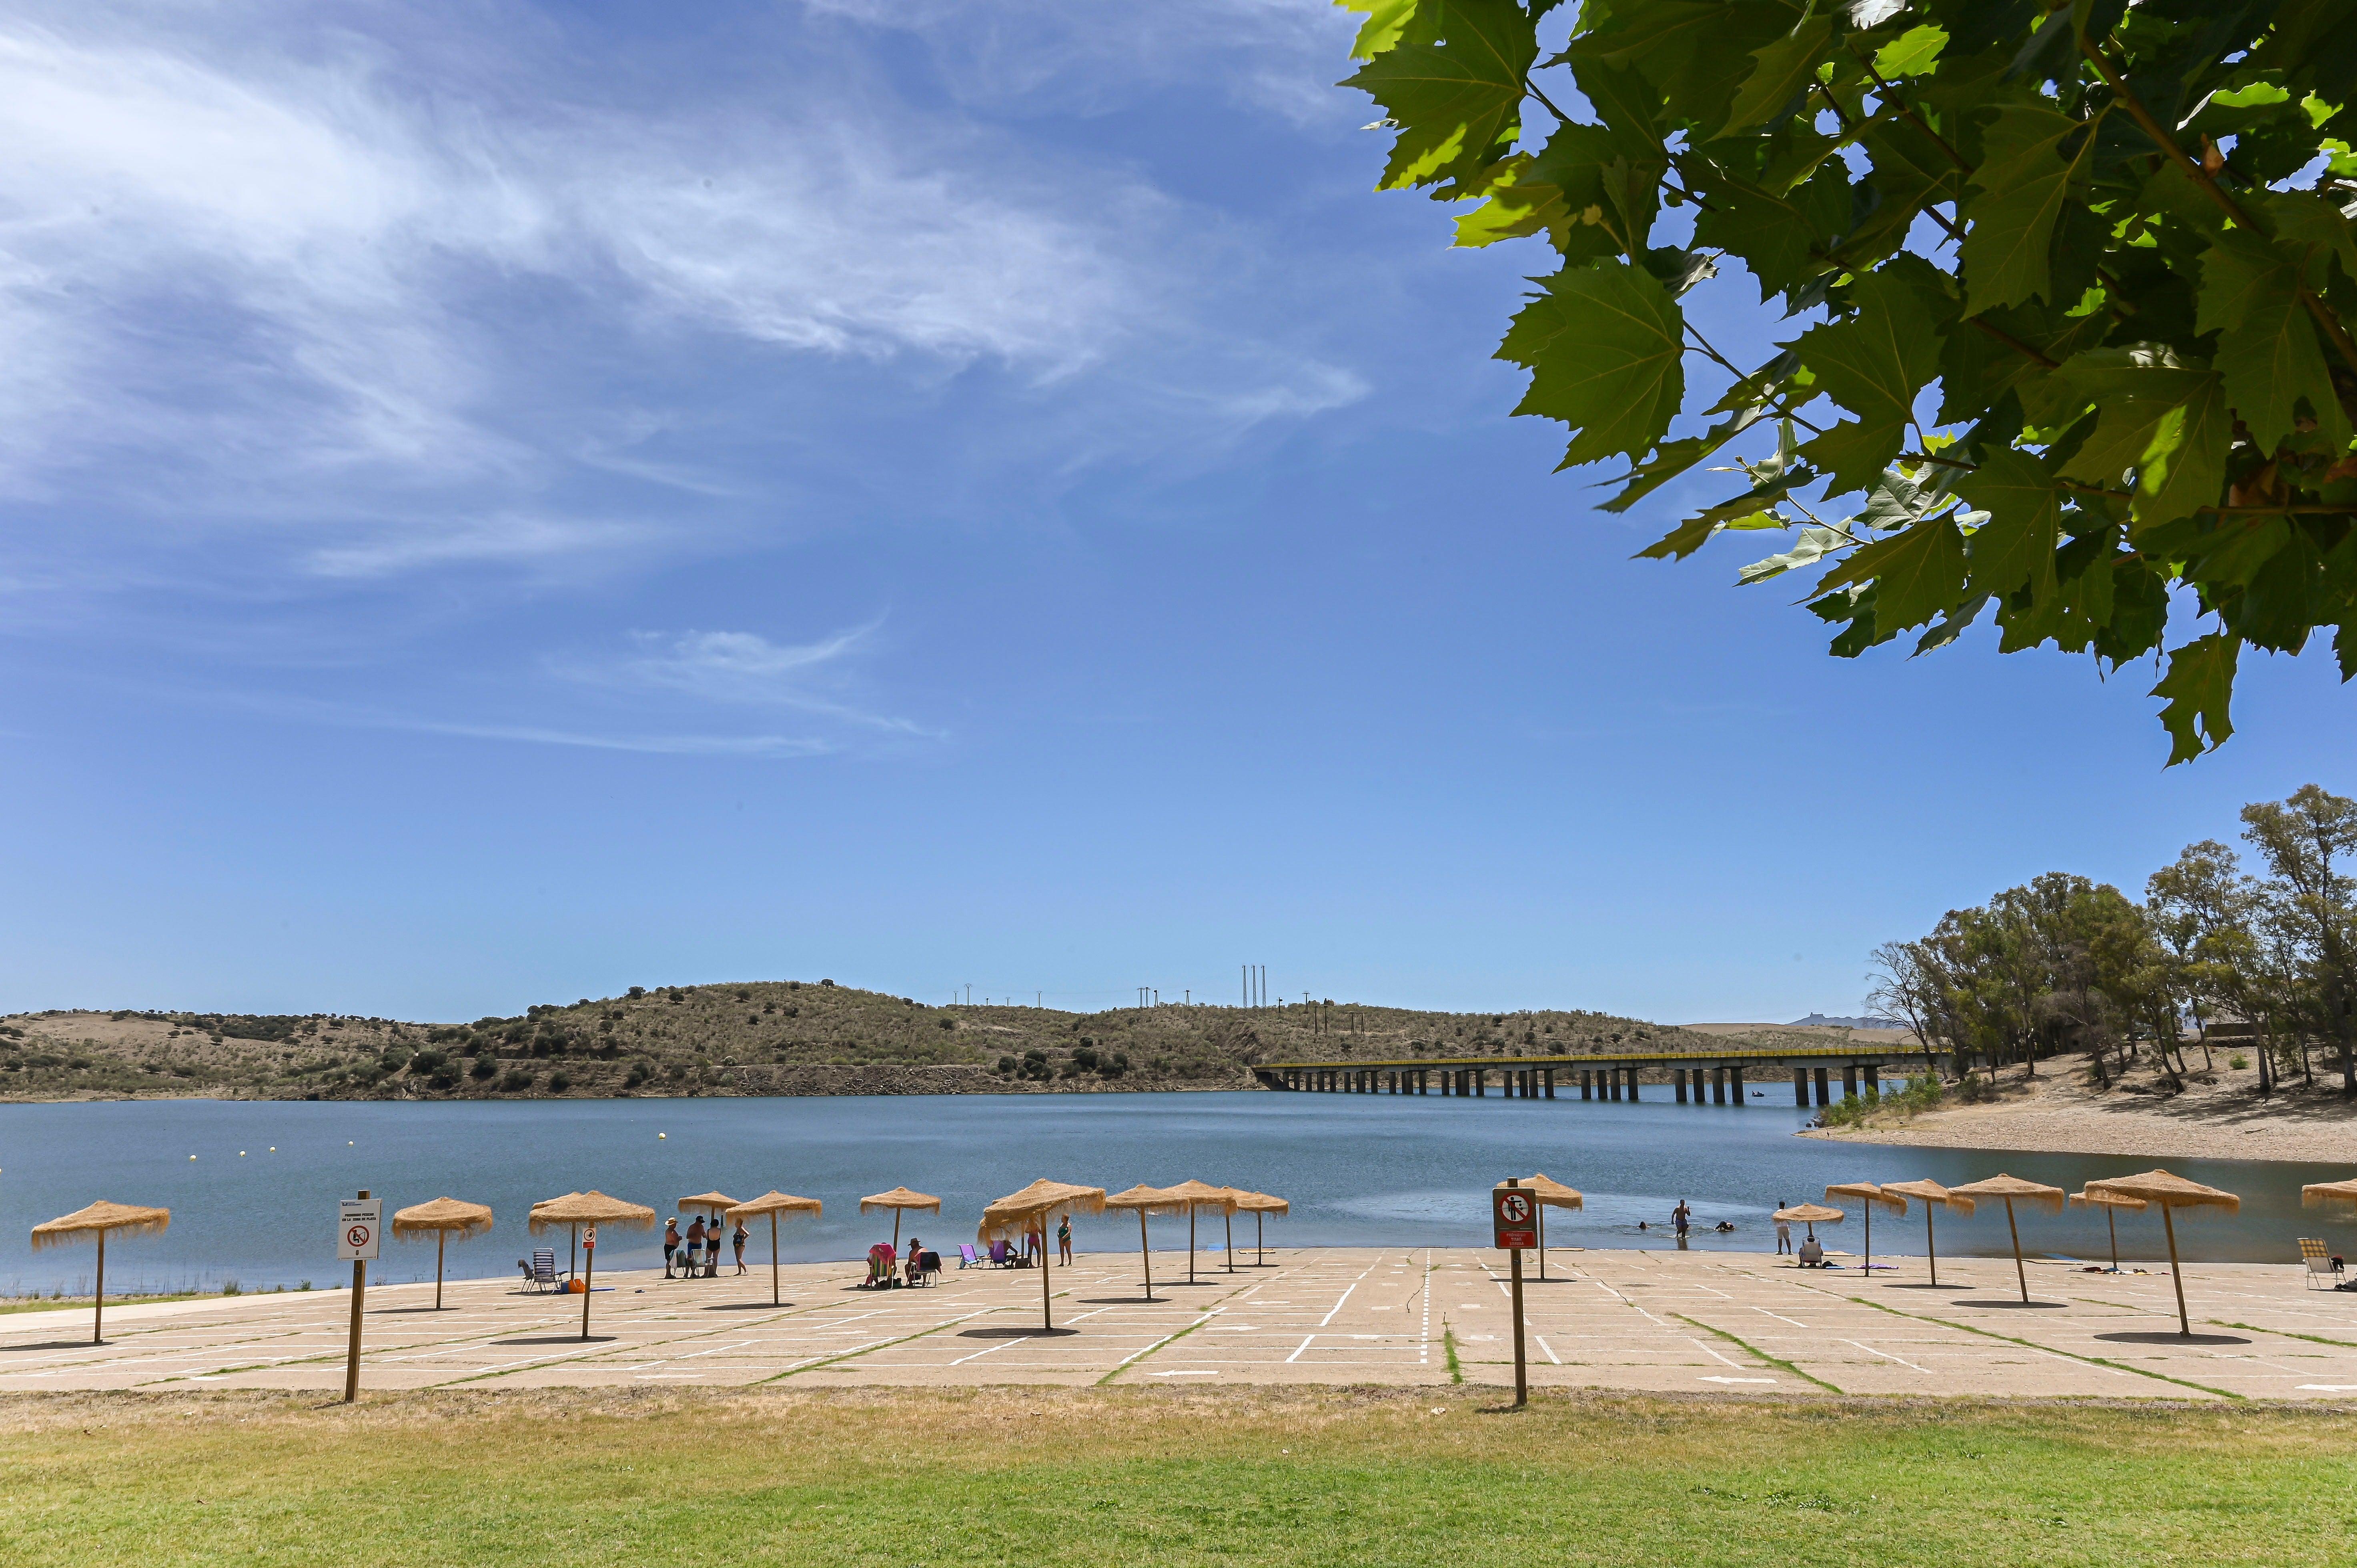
<point>504,504</point>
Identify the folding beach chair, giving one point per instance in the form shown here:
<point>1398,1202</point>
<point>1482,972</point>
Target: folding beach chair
<point>544,1269</point>
<point>2323,1268</point>
<point>967,1256</point>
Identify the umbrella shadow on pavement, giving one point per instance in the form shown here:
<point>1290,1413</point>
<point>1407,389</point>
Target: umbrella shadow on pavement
<point>2014,1305</point>
<point>57,1345</point>
<point>1016,1333</point>
<point>746,1306</point>
<point>2171,1337</point>
<point>563,1340</point>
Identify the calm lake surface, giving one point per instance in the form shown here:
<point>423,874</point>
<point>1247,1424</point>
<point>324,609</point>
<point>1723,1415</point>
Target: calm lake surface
<point>256,1204</point>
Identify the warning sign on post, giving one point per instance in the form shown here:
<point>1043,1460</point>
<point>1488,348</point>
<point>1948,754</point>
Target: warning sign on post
<point>356,1223</point>
<point>1513,1217</point>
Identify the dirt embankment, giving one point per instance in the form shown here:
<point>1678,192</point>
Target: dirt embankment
<point>2224,1118</point>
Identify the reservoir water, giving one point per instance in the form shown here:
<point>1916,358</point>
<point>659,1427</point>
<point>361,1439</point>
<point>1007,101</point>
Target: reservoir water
<point>256,1203</point>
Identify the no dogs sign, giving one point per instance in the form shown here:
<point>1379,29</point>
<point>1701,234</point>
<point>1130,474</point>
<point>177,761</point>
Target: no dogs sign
<point>355,1228</point>
<point>1513,1217</point>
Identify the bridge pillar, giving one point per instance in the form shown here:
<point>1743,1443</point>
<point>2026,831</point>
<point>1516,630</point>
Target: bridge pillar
<point>1550,1083</point>
<point>1480,1084</point>
<point>1587,1085</point>
<point>1874,1078</point>
<point>1823,1097</point>
<point>1735,1082</point>
<point>1678,1083</point>
<point>1634,1093</point>
<point>1800,1086</point>
<point>1849,1081</point>
<point>1616,1083</point>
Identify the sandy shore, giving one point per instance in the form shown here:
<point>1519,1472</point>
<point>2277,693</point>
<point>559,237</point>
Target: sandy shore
<point>2058,1114</point>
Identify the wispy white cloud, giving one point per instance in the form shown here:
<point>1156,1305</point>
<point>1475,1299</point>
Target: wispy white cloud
<point>743,668</point>
<point>245,282</point>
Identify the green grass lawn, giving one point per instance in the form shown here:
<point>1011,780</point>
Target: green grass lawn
<point>1047,1477</point>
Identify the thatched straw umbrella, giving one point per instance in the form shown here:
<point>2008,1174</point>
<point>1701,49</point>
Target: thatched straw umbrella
<point>1146,1200</point>
<point>1928,1193</point>
<point>1197,1195</point>
<point>718,1203</point>
<point>1017,1212</point>
<point>2111,1204</point>
<point>592,1209</point>
<point>1260,1206</point>
<point>899,1199</point>
<point>96,1220</point>
<point>2316,1195</point>
<point>1551,1194</point>
<point>1867,1197</point>
<point>1812,1215</point>
<point>2013,1189</point>
<point>572,1260</point>
<point>774,1203</point>
<point>2169,1191</point>
<point>439,1219</point>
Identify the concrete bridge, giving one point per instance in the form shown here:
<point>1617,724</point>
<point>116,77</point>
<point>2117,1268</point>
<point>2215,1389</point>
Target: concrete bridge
<point>1713,1078</point>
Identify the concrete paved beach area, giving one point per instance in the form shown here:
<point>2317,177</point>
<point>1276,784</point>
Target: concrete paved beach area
<point>1637,1321</point>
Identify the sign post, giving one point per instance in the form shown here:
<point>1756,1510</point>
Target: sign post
<point>1513,1225</point>
<point>358,1224</point>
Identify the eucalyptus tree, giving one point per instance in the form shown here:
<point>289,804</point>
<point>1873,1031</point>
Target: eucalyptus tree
<point>2308,841</point>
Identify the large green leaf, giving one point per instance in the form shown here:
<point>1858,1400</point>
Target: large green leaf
<point>1916,575</point>
<point>1605,348</point>
<point>2183,466</point>
<point>2200,682</point>
<point>1453,83</point>
<point>2267,351</point>
<point>2015,548</point>
<point>2014,200</point>
<point>1872,364</point>
<point>1786,67</point>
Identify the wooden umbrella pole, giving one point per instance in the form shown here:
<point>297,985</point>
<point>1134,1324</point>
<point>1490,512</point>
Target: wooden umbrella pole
<point>1260,1235</point>
<point>588,1275</point>
<point>2019,1273</point>
<point>2176,1274</point>
<point>98,1300</point>
<point>1190,1243</point>
<point>896,1232</point>
<point>773,1258</point>
<point>1869,1269</point>
<point>1542,1240</point>
<point>1046,1306</point>
<point>1232,1240</point>
<point>1145,1258</point>
<point>2112,1221</point>
<point>1931,1246</point>
<point>441,1239</point>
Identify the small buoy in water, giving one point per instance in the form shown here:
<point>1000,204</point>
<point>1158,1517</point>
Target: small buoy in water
<point>240,1154</point>
<point>662,1134</point>
<point>347,1143</point>
<point>192,1156</point>
<point>274,1148</point>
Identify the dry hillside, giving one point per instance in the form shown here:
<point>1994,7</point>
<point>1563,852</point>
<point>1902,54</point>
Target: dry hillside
<point>754,1037</point>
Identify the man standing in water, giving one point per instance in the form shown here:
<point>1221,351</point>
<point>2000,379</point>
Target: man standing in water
<point>1680,1216</point>
<point>1783,1231</point>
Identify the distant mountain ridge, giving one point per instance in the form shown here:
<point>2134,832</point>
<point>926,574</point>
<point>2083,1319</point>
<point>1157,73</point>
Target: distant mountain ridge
<point>1819,1021</point>
<point>757,1037</point>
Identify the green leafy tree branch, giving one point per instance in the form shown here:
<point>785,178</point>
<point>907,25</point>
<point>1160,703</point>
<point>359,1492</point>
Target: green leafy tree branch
<point>2079,284</point>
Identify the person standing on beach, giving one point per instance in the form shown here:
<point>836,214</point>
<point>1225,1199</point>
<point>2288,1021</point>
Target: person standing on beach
<point>1064,1241</point>
<point>695,1245</point>
<point>1783,1232</point>
<point>670,1242</point>
<point>740,1236</point>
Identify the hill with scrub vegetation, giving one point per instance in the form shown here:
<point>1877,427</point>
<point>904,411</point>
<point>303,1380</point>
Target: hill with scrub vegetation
<point>757,1037</point>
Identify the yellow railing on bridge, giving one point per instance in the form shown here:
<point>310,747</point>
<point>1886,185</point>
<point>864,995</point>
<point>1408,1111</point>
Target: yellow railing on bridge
<point>1810,1053</point>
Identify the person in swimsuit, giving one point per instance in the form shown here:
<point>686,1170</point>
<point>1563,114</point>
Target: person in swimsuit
<point>740,1236</point>
<point>695,1245</point>
<point>670,1242</point>
<point>1681,1216</point>
<point>1064,1241</point>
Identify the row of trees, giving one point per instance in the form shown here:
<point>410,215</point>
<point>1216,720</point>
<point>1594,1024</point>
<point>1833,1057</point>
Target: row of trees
<point>2064,964</point>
